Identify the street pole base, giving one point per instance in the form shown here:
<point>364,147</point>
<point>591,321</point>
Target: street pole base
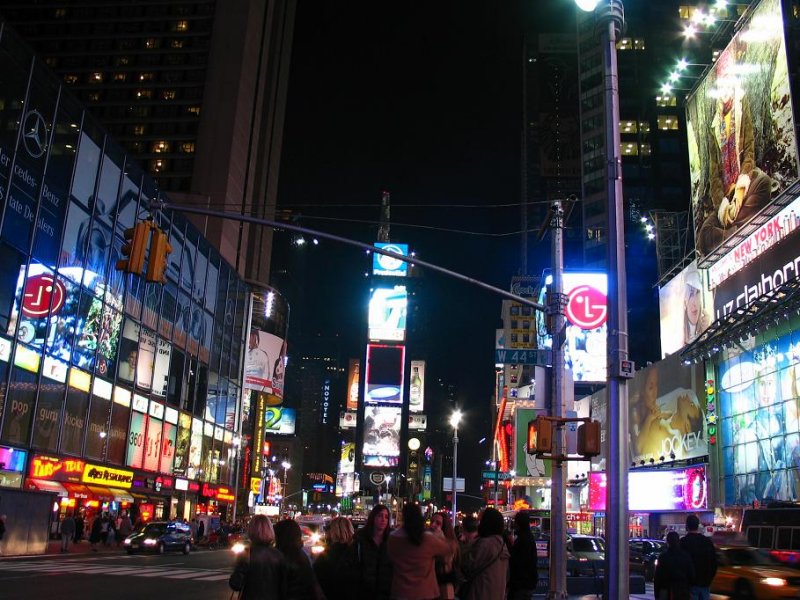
<point>556,595</point>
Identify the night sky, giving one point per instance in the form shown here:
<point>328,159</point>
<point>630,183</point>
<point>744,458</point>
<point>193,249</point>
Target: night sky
<point>424,101</point>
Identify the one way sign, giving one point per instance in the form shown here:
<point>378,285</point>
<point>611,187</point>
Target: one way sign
<point>512,356</point>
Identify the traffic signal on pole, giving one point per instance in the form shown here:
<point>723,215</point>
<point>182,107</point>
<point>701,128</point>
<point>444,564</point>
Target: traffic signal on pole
<point>160,249</point>
<point>135,247</point>
<point>540,436</point>
<point>589,439</point>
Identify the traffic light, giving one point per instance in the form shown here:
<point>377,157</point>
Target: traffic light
<point>137,238</point>
<point>589,439</point>
<point>160,249</point>
<point>540,436</point>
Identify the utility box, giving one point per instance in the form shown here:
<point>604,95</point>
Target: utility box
<point>28,517</point>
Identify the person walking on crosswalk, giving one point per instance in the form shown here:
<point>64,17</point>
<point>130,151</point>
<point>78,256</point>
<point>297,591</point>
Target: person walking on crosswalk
<point>67,532</point>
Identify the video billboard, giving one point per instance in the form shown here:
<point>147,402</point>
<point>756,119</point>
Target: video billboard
<point>687,308</point>
<point>384,377</point>
<point>416,393</point>
<point>740,129</point>
<point>266,357</point>
<point>387,313</point>
<point>586,312</point>
<point>387,265</point>
<point>757,389</point>
<point>678,489</point>
<point>279,420</point>
<point>381,435</point>
<point>353,376</point>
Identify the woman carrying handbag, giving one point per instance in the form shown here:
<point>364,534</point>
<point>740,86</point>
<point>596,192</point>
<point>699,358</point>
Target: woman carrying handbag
<point>262,572</point>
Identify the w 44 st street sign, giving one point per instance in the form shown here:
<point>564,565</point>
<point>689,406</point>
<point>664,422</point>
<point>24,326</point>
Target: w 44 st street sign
<point>516,356</point>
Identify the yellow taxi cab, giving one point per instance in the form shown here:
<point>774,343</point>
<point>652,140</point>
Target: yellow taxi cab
<point>744,572</point>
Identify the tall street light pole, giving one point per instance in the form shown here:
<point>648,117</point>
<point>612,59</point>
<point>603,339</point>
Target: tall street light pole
<point>455,419</point>
<point>286,466</point>
<point>237,444</point>
<point>610,20</point>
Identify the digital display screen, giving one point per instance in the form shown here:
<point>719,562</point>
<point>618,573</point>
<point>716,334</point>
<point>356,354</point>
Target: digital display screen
<point>387,313</point>
<point>279,420</point>
<point>387,265</point>
<point>680,489</point>
<point>381,432</point>
<point>384,378</point>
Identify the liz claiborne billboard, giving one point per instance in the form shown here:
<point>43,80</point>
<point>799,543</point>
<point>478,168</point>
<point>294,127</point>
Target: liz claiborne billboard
<point>740,129</point>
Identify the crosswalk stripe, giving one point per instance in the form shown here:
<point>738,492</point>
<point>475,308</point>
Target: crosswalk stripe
<point>138,571</point>
<point>213,578</point>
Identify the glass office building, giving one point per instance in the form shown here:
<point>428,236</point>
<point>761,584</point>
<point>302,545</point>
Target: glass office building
<point>116,394</point>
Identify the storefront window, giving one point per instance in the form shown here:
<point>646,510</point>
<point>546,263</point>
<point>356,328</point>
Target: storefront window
<point>52,389</point>
<point>182,444</point>
<point>117,438</point>
<point>99,417</point>
<point>74,421</point>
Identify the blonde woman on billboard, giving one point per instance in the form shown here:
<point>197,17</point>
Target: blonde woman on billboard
<point>695,318</point>
<point>653,428</point>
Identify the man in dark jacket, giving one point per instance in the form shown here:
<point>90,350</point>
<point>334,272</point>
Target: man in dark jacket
<point>674,571</point>
<point>523,562</point>
<point>704,556</point>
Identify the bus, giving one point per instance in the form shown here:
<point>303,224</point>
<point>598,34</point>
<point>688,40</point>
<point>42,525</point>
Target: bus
<point>775,529</point>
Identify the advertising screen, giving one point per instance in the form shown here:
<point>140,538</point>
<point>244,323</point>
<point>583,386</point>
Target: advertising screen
<point>384,377</point>
<point>387,313</point>
<point>348,419</point>
<point>416,393</point>
<point>586,312</point>
<point>279,420</point>
<point>686,307</point>
<point>757,393</point>
<point>386,265</point>
<point>528,465</point>
<point>381,432</point>
<point>353,376</point>
<point>264,363</point>
<point>680,489</point>
<point>740,129</point>
<point>347,459</point>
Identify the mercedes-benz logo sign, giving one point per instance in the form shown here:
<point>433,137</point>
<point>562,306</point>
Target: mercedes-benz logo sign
<point>34,133</point>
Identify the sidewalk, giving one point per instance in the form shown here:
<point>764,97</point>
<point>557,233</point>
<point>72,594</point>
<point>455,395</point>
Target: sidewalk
<point>83,547</point>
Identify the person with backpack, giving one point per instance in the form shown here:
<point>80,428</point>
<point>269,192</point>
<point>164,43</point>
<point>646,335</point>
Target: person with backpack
<point>371,556</point>
<point>523,561</point>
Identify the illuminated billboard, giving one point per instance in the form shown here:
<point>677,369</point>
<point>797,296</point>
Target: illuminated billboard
<point>353,376</point>
<point>265,359</point>
<point>528,465</point>
<point>416,391</point>
<point>586,312</point>
<point>759,425</point>
<point>387,265</point>
<point>740,129</point>
<point>384,377</point>
<point>678,489</point>
<point>686,306</point>
<point>381,434</point>
<point>279,420</point>
<point>387,313</point>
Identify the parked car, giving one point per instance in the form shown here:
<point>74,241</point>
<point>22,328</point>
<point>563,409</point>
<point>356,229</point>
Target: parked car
<point>644,552</point>
<point>160,536</point>
<point>745,572</point>
<point>585,555</point>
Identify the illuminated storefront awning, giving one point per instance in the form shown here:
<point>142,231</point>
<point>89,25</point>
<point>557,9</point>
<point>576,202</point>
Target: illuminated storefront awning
<point>121,495</point>
<point>141,497</point>
<point>78,490</point>
<point>43,485</point>
<point>101,493</point>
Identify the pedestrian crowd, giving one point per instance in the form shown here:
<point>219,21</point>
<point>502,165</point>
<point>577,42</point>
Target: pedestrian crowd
<point>687,567</point>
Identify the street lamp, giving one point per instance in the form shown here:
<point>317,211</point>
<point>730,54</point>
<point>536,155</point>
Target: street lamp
<point>286,466</point>
<point>237,444</point>
<point>617,568</point>
<point>388,480</point>
<point>455,419</point>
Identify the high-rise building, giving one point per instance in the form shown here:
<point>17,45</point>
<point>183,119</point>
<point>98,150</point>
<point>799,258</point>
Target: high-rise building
<point>194,90</point>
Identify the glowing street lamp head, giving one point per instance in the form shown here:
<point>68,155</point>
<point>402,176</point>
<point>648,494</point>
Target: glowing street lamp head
<point>455,419</point>
<point>682,64</point>
<point>674,76</point>
<point>666,88</point>
<point>587,5</point>
<point>286,465</point>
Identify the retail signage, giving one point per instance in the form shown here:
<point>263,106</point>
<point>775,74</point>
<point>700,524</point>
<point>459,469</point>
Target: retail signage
<point>181,484</point>
<point>208,491</point>
<point>97,474</point>
<point>225,494</point>
<point>586,311</point>
<point>416,394</point>
<point>388,308</point>
<point>740,129</point>
<point>656,490</point>
<point>255,485</point>
<point>43,294</point>
<point>353,376</point>
<point>56,469</point>
<point>347,419</point>
<point>417,422</point>
<point>388,265</point>
<point>384,377</point>
<point>265,360</point>
<point>381,432</point>
<point>686,308</point>
<point>280,420</point>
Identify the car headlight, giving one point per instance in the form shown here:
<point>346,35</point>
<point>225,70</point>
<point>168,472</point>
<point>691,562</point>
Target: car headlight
<point>317,549</point>
<point>149,542</point>
<point>315,537</point>
<point>127,542</point>
<point>238,548</point>
<point>774,581</point>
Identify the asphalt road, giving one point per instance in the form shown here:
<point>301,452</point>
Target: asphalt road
<point>115,575</point>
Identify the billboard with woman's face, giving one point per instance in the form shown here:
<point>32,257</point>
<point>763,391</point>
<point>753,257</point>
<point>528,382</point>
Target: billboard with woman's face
<point>740,129</point>
<point>686,307</point>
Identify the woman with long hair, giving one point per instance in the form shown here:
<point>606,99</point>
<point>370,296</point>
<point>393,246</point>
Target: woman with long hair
<point>261,573</point>
<point>447,567</point>
<point>334,567</point>
<point>370,549</point>
<point>524,574</point>
<point>486,563</point>
<point>413,551</point>
<point>289,541</point>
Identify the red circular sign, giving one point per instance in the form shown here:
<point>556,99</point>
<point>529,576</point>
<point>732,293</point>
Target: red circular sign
<point>587,307</point>
<point>42,294</point>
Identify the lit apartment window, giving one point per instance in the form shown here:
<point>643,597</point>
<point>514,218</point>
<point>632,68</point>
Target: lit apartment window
<point>625,44</point>
<point>96,77</point>
<point>645,150</point>
<point>176,43</point>
<point>668,122</point>
<point>187,147</point>
<point>168,95</point>
<point>138,130</point>
<point>644,126</point>
<point>121,77</point>
<point>145,77</point>
<point>122,61</point>
<point>70,79</point>
<point>144,94</point>
<point>151,43</point>
<point>627,127</point>
<point>94,97</point>
<point>60,13</point>
<point>182,26</point>
<point>159,147</point>
<point>51,61</point>
<point>638,44</point>
<point>158,165</point>
<point>666,100</point>
<point>715,55</point>
<point>629,148</point>
<point>195,110</point>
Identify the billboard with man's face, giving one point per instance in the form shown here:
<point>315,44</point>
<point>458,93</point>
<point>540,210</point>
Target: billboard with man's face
<point>740,129</point>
